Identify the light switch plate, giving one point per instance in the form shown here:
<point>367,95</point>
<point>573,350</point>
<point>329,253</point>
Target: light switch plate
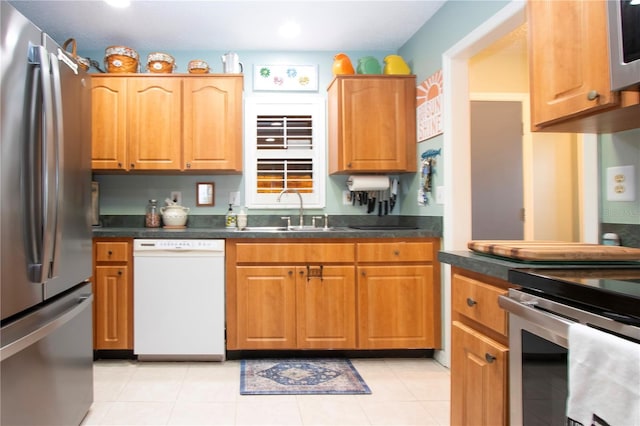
<point>621,183</point>
<point>440,194</point>
<point>346,198</point>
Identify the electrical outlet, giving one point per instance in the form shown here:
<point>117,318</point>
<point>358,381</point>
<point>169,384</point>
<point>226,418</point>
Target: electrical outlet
<point>234,198</point>
<point>621,182</point>
<point>176,196</point>
<point>346,198</point>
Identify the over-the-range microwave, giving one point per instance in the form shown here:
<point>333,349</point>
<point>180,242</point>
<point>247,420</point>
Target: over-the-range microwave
<point>624,43</point>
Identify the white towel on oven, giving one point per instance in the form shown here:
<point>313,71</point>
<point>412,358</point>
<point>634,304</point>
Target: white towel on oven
<point>604,378</point>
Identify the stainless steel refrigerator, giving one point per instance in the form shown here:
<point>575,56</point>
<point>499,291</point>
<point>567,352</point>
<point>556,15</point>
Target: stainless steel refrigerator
<point>46,353</point>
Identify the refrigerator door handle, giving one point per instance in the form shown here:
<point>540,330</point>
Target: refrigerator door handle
<point>40,167</point>
<point>56,147</point>
<point>29,339</point>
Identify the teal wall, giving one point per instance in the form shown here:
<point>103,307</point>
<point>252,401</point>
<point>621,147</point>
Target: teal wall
<point>423,52</point>
<point>620,149</point>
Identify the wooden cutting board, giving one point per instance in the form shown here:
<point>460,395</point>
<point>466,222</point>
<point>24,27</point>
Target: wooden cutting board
<point>554,250</point>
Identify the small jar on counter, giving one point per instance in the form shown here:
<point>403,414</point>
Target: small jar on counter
<point>152,217</point>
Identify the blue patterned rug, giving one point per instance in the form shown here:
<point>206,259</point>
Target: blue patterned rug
<point>300,377</point>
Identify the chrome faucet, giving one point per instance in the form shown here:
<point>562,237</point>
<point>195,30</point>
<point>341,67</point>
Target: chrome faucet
<point>301,206</point>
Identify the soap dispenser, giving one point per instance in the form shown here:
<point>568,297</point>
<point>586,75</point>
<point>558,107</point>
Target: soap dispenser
<point>230,218</point>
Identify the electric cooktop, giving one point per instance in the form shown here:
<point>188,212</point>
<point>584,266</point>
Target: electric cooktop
<point>614,293</point>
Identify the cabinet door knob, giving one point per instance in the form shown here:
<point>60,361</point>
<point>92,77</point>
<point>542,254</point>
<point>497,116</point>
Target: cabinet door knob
<point>109,252</point>
<point>396,252</point>
<point>471,302</point>
<point>364,274</point>
<point>119,272</point>
<point>593,95</point>
<point>133,165</point>
<point>290,272</point>
<point>490,358</point>
<point>119,165</point>
<point>188,165</point>
<point>349,165</point>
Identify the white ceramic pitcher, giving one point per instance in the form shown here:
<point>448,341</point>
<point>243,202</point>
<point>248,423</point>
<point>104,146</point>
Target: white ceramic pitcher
<point>231,63</point>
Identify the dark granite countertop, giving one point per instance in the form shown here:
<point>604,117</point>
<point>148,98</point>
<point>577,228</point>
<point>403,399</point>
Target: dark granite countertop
<point>499,268</point>
<point>132,226</point>
<point>204,233</point>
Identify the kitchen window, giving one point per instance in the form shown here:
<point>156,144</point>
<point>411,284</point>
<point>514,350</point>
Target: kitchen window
<point>284,148</point>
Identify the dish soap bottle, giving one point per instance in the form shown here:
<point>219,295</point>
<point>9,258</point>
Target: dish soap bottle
<point>230,219</point>
<point>242,219</point>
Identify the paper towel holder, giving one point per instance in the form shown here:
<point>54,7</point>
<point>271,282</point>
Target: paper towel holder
<point>368,183</point>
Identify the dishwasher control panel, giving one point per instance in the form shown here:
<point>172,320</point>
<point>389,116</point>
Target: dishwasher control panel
<point>140,245</point>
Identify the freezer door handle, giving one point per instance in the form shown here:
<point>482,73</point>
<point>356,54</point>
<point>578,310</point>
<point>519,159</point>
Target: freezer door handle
<point>40,165</point>
<point>16,346</point>
<point>56,146</point>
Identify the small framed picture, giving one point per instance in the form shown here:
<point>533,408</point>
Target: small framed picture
<point>204,194</point>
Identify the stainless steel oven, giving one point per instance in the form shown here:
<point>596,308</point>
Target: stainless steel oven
<point>538,349</point>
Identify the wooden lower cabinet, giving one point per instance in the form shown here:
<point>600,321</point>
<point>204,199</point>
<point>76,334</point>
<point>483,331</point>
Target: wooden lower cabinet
<point>479,350</point>
<point>326,307</point>
<point>282,307</point>
<point>478,378</point>
<point>332,294</point>
<point>113,294</point>
<point>396,307</point>
<point>266,307</point>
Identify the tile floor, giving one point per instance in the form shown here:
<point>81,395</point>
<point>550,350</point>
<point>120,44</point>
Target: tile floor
<point>404,392</point>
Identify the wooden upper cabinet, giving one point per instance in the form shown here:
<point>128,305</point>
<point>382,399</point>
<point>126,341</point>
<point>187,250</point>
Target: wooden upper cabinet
<point>170,122</point>
<point>372,123</point>
<point>154,123</point>
<point>108,118</point>
<point>569,70</point>
<point>212,123</point>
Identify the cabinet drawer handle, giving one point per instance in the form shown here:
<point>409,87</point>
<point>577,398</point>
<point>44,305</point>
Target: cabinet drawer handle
<point>490,358</point>
<point>471,302</point>
<point>314,272</point>
<point>109,253</point>
<point>396,252</point>
<point>593,95</point>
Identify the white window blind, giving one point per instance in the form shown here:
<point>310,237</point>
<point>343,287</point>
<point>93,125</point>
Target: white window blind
<point>284,148</point>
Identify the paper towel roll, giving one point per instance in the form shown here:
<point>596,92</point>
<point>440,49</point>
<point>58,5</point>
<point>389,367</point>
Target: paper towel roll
<point>368,183</point>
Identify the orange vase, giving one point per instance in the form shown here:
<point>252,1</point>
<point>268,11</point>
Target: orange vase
<point>342,64</point>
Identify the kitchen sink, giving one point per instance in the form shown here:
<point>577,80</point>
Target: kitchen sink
<point>285,229</point>
<point>263,229</point>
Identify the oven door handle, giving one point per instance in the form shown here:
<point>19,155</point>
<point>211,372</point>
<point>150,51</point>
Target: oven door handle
<point>544,319</point>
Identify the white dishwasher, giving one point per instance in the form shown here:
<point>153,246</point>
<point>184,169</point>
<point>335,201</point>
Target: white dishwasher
<point>178,299</point>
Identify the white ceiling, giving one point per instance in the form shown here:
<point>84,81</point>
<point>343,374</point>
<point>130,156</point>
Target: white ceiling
<point>169,25</point>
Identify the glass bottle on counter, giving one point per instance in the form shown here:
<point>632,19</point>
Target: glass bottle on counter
<point>152,217</point>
